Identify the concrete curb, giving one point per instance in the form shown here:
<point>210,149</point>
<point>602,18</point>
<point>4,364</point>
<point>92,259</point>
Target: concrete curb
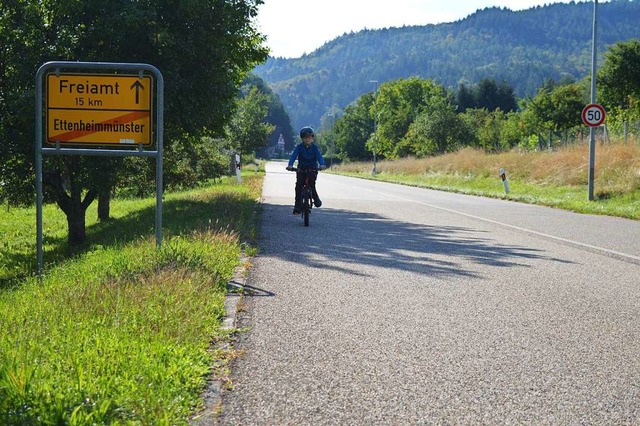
<point>212,395</point>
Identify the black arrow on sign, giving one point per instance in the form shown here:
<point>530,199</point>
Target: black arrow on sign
<point>137,86</point>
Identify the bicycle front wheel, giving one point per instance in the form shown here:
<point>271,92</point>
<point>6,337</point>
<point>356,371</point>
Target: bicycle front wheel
<point>305,213</point>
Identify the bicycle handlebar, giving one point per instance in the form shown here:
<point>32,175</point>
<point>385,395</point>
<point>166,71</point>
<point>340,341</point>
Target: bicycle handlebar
<point>306,169</point>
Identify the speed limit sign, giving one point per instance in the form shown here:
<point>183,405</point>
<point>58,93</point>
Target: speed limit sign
<point>593,115</point>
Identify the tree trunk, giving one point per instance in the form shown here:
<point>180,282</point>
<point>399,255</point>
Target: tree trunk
<point>71,203</point>
<point>104,204</point>
<point>77,228</point>
<point>626,132</point>
<point>76,209</point>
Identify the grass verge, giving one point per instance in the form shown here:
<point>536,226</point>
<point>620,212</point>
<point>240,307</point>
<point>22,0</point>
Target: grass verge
<point>118,331</point>
<point>556,179</point>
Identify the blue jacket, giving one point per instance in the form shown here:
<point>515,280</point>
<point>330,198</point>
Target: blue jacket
<point>308,156</point>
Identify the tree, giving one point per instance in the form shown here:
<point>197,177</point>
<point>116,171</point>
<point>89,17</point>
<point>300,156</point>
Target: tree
<point>326,133</point>
<point>439,129</point>
<point>277,114</point>
<point>619,76</point>
<point>204,48</point>
<point>398,105</point>
<point>465,98</point>
<point>247,129</point>
<point>554,109</point>
<point>22,44</point>
<point>512,132</point>
<point>489,129</point>
<point>492,96</point>
<point>354,128</point>
<point>537,115</point>
<point>568,101</point>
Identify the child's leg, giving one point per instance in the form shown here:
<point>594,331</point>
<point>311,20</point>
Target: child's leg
<point>299,185</point>
<point>316,197</point>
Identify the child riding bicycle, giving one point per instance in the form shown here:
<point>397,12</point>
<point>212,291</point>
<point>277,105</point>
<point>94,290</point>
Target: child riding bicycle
<point>309,157</point>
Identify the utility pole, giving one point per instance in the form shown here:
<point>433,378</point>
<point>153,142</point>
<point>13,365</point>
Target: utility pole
<point>375,126</point>
<point>592,132</point>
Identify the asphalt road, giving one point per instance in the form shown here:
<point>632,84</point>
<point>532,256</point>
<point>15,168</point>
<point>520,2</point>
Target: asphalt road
<point>401,305</point>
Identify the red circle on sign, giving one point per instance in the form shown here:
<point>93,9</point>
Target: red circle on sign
<point>593,115</point>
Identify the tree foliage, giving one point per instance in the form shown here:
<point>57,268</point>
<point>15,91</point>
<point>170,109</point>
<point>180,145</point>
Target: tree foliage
<point>277,115</point>
<point>354,129</point>
<point>487,94</point>
<point>203,49</point>
<point>22,45</point>
<point>398,104</point>
<point>247,129</point>
<point>439,129</point>
<point>494,96</point>
<point>418,117</point>
<point>619,77</point>
<point>554,109</point>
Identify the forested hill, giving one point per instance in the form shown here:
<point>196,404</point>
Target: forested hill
<point>523,48</point>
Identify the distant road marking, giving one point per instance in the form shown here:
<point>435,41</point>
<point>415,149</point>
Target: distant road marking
<point>612,253</point>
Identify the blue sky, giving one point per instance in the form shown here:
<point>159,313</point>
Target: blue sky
<point>296,27</point>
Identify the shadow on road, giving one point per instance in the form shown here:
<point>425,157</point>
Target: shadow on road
<point>338,239</point>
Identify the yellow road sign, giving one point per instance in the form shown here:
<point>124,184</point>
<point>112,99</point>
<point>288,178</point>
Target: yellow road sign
<point>99,109</point>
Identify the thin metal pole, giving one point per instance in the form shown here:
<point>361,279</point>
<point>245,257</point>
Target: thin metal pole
<point>375,133</point>
<point>39,197</point>
<point>592,131</point>
<point>375,126</point>
<point>159,168</point>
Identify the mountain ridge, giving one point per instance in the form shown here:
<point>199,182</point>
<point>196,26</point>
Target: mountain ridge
<point>523,48</point>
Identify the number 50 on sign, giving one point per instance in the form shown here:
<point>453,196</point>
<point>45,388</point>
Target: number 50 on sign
<point>593,115</point>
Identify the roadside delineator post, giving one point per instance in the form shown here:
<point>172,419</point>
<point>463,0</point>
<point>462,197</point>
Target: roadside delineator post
<point>505,182</point>
<point>238,177</point>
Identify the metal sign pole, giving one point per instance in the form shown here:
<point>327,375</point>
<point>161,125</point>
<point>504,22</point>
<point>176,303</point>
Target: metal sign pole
<point>592,131</point>
<point>159,156</point>
<point>39,197</point>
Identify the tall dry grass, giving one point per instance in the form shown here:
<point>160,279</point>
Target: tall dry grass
<point>617,167</point>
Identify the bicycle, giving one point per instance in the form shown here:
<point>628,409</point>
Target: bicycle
<point>306,194</point>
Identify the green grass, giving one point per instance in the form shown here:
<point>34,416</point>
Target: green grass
<point>223,207</point>
<point>118,331</point>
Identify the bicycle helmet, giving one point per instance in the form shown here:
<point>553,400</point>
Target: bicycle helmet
<point>306,131</point>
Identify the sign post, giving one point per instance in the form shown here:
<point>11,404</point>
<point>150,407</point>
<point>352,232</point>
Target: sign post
<point>592,130</point>
<point>90,108</point>
<point>238,176</point>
